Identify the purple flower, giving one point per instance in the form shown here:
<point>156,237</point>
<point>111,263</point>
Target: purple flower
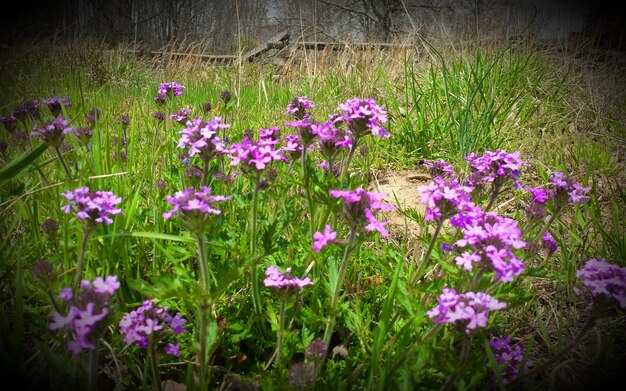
<point>159,116</point>
<point>255,156</point>
<point>301,376</point>
<point>151,320</point>
<point>440,168</point>
<point>182,116</point>
<point>332,140</point>
<point>306,130</point>
<point>511,357</point>
<point>194,206</point>
<point>362,116</point>
<point>604,279</point>
<point>54,104</point>
<point>466,311</point>
<point>490,243</point>
<point>495,167</point>
<point>53,132</point>
<point>173,349</point>
<point>106,286</point>
<point>66,294</point>
<point>92,117</point>
<point>322,239</point>
<point>9,122</point>
<point>316,351</point>
<point>83,134</point>
<point>444,198</point>
<point>92,206</point>
<point>199,137</point>
<point>566,190</point>
<point>540,196</point>
<point>298,107</point>
<point>27,110</point>
<point>358,209</point>
<point>549,243</point>
<point>226,96</point>
<point>86,313</point>
<point>168,89</point>
<point>284,284</point>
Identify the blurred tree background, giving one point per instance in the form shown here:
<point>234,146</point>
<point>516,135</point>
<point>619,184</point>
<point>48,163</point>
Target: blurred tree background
<point>225,26</point>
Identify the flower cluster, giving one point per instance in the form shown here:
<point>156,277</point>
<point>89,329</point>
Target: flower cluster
<point>92,117</point>
<point>148,321</point>
<point>468,310</point>
<point>604,279</point>
<point>9,122</point>
<point>55,104</point>
<point>256,155</point>
<point>182,116</point>
<point>298,107</point>
<point>198,137</point>
<point>84,134</point>
<point>53,132</point>
<point>490,243</point>
<point>27,110</point>
<point>168,89</point>
<point>194,206</point>
<point>358,209</point>
<point>305,130</point>
<point>362,116</point>
<point>444,199</point>
<point>440,168</point>
<point>284,284</point>
<point>562,190</point>
<point>92,206</point>
<point>495,167</point>
<point>511,357</point>
<point>548,242</point>
<point>87,310</point>
<point>566,189</point>
<point>331,140</point>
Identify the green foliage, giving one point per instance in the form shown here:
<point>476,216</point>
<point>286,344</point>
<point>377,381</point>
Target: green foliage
<point>380,336</point>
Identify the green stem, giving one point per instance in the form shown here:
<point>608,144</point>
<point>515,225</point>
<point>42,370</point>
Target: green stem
<point>492,199</point>
<point>545,228</point>
<point>205,173</point>
<point>405,357</point>
<point>422,265</point>
<point>344,169</point>
<point>204,308</point>
<point>281,328</point>
<point>65,166</point>
<point>307,188</point>
<point>202,261</point>
<point>256,294</point>
<point>92,369</point>
<point>337,291</point>
<point>465,349</point>
<point>81,257</point>
<point>156,380</point>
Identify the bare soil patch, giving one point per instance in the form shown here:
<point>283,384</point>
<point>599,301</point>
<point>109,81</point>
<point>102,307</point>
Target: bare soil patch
<point>400,188</point>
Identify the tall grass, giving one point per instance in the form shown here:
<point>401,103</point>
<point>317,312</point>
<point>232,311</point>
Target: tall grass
<point>443,103</point>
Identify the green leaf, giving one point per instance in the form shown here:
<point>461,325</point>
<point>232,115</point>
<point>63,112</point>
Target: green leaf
<point>18,165</point>
<point>152,235</point>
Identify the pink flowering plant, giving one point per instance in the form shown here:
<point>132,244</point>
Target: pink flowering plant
<point>261,244</point>
<point>93,208</point>
<point>146,327</point>
<point>285,285</point>
<point>86,318</point>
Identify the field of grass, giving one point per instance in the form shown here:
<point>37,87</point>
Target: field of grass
<point>506,270</point>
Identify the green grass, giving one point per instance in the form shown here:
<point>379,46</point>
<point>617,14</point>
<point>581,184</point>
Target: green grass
<point>443,106</point>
